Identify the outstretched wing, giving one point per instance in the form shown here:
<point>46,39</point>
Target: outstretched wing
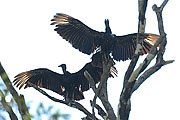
<point>125,46</point>
<point>77,33</point>
<point>41,77</point>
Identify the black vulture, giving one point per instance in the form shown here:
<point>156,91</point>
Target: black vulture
<point>69,85</point>
<point>88,40</point>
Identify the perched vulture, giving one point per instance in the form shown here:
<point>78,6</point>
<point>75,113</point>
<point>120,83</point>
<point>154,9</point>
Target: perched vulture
<point>69,85</point>
<point>88,40</point>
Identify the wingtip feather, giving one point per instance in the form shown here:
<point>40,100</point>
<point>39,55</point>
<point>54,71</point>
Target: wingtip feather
<point>114,71</point>
<point>21,79</point>
<point>152,38</point>
<point>60,19</point>
<point>59,22</point>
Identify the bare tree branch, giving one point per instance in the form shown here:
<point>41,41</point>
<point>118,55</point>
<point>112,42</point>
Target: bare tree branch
<point>93,86</point>
<point>142,5</point>
<point>101,112</point>
<point>148,73</point>
<point>7,107</point>
<point>101,91</point>
<point>162,41</point>
<point>18,99</point>
<point>131,85</point>
<point>103,96</point>
<point>73,104</point>
<point>124,105</point>
<point>158,11</point>
<point>132,78</point>
<point>141,29</point>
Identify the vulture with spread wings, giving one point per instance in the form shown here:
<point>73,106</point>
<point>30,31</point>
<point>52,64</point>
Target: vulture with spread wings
<point>88,40</point>
<point>69,85</point>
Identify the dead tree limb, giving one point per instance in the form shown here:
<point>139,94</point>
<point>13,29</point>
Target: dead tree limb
<point>132,84</point>
<point>124,105</point>
<point>161,42</point>
<point>101,90</point>
<point>72,104</point>
<point>101,112</point>
<point>103,95</point>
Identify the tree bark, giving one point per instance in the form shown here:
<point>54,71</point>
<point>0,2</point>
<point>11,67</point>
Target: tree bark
<point>19,99</point>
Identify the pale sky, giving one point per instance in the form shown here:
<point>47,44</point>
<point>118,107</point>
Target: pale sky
<point>28,41</point>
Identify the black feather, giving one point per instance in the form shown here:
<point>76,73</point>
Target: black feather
<point>88,40</point>
<point>69,85</point>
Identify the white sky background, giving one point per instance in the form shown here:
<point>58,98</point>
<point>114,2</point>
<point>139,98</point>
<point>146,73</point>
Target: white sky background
<point>28,41</point>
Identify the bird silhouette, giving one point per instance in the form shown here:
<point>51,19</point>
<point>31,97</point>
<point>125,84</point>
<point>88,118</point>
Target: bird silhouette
<point>88,40</point>
<point>69,85</point>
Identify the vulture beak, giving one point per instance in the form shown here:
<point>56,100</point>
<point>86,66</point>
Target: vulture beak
<point>62,65</point>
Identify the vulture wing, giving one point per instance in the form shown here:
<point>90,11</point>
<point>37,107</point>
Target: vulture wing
<point>41,77</point>
<point>97,63</point>
<point>80,79</point>
<point>94,71</point>
<point>125,46</point>
<point>77,33</point>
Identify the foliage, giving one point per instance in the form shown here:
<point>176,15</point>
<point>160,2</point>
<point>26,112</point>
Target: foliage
<point>49,113</point>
